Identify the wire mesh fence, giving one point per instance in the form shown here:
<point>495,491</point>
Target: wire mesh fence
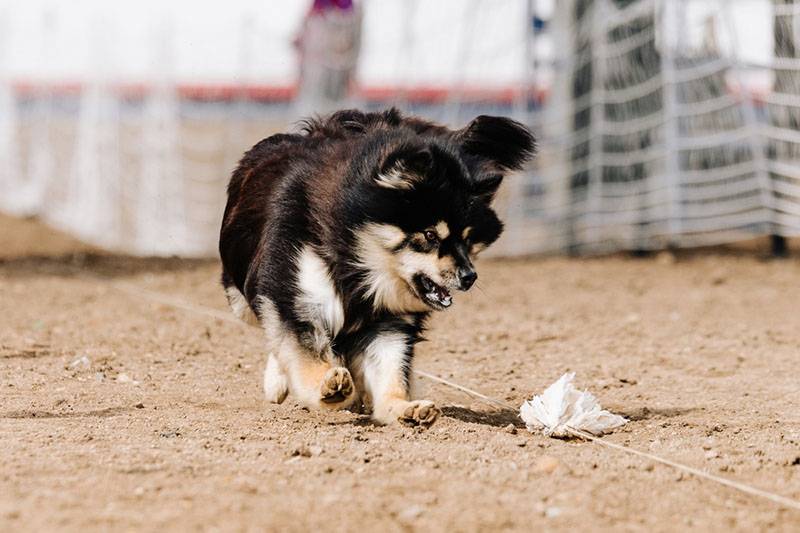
<point>651,140</point>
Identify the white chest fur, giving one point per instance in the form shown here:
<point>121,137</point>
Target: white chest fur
<point>318,302</point>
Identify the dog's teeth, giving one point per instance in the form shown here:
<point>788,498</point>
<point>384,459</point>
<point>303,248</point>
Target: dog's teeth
<point>435,293</point>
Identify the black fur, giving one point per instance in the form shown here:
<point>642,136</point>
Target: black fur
<point>321,187</point>
<point>505,142</point>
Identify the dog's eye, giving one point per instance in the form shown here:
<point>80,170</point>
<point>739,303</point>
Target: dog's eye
<point>431,237</point>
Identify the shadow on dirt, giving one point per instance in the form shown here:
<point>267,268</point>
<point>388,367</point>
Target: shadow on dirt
<point>503,418</point>
<point>647,413</point>
<point>98,413</point>
<point>499,418</point>
<point>97,264</point>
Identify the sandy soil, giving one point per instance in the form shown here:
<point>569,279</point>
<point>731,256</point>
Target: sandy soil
<point>117,413</point>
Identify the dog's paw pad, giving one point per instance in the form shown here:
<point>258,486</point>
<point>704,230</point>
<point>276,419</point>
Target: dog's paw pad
<point>420,413</point>
<point>337,385</point>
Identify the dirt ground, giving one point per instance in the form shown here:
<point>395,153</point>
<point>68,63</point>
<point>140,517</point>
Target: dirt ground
<point>118,413</point>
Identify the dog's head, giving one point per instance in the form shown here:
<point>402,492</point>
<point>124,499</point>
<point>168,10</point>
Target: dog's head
<point>427,211</point>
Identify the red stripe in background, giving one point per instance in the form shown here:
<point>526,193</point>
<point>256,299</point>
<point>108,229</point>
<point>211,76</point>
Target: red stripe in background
<point>281,93</point>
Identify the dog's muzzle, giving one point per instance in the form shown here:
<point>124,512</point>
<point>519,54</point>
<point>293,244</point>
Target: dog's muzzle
<point>466,278</point>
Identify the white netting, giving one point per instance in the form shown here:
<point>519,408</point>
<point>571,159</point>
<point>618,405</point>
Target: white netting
<point>654,133</point>
<point>651,139</point>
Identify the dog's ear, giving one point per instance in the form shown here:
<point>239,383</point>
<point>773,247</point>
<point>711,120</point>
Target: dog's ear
<point>486,187</point>
<point>405,167</point>
<point>504,143</point>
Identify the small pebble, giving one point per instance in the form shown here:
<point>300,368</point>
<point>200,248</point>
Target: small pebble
<point>301,451</point>
<point>306,451</point>
<point>125,378</point>
<point>553,512</point>
<point>546,464</point>
<point>410,513</point>
<point>315,450</point>
<point>80,362</point>
<point>511,429</point>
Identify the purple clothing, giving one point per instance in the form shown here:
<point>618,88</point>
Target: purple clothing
<point>322,5</point>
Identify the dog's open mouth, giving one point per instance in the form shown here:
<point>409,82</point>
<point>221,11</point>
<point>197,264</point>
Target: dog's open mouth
<point>432,293</point>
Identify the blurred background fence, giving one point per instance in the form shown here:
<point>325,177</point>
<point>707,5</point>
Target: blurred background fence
<point>661,122</point>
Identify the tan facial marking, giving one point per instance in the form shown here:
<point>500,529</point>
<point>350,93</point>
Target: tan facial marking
<point>389,236</point>
<point>447,264</point>
<point>477,248</point>
<point>466,232</point>
<point>387,279</point>
<point>442,230</point>
<point>411,262</point>
<point>391,268</point>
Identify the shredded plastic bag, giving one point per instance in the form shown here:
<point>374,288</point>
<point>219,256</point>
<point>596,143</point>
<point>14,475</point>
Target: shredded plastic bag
<point>563,407</point>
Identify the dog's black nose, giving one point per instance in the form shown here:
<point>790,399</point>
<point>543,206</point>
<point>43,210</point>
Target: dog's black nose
<point>467,278</point>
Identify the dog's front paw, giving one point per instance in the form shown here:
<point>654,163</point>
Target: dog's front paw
<point>420,413</point>
<point>337,388</point>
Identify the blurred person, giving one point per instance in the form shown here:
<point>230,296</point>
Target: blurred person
<point>328,44</point>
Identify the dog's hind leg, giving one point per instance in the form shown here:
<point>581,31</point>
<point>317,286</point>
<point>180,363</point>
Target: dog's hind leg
<point>316,381</point>
<point>310,371</point>
<point>239,304</point>
<point>276,384</point>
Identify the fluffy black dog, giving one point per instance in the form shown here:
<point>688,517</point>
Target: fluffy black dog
<point>341,240</point>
